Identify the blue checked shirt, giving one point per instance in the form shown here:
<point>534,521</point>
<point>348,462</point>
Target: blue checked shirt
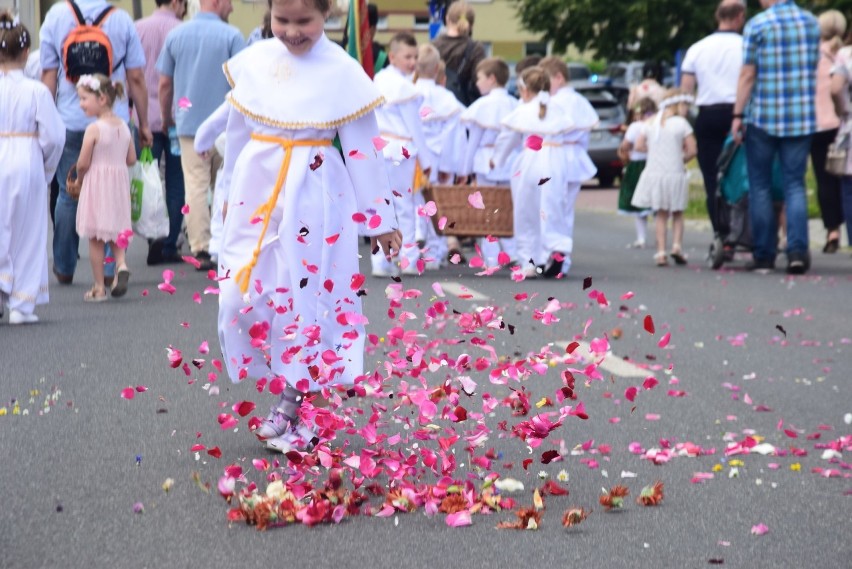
<point>782,43</point>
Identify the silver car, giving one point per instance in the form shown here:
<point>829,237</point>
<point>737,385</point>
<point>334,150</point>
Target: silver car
<point>606,138</point>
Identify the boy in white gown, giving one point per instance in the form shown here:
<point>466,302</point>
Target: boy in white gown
<point>31,139</point>
<point>404,146</point>
<point>289,305</point>
<point>445,138</point>
<point>579,166</point>
<point>541,131</point>
<point>209,137</point>
<point>483,119</point>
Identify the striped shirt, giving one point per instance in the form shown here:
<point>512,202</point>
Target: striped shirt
<point>782,43</point>
<point>152,33</point>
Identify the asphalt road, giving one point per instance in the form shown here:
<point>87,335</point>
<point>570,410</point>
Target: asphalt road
<point>70,475</point>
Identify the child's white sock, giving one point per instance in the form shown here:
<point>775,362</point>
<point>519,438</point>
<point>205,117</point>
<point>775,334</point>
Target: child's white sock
<point>639,220</point>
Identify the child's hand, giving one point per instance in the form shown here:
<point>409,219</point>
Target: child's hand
<point>390,243</point>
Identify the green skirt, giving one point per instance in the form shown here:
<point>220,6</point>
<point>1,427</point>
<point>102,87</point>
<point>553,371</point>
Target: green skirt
<point>628,185</point>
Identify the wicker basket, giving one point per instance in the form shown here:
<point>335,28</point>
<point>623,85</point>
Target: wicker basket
<point>463,220</point>
<point>73,183</point>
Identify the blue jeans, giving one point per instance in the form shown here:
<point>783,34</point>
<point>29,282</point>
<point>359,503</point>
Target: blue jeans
<point>846,197</point>
<point>174,189</point>
<point>761,150</point>
<point>66,242</point>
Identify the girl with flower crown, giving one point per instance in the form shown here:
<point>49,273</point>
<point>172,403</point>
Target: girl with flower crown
<point>103,214</point>
<point>664,185</point>
<point>31,140</point>
<point>540,187</point>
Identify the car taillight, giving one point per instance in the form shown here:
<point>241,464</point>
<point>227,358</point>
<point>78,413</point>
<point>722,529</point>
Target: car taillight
<point>617,129</point>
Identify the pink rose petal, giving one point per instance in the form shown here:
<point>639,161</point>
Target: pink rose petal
<point>475,200</point>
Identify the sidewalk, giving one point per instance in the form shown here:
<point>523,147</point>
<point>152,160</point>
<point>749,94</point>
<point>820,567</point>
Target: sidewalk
<point>593,199</point>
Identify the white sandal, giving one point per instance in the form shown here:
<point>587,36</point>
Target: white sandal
<point>298,438</point>
<point>281,416</point>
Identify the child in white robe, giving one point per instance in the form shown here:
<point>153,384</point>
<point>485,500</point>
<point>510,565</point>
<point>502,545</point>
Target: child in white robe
<point>289,303</point>
<point>483,119</point>
<point>210,137</point>
<point>31,139</point>
<point>404,147</point>
<point>445,138</point>
<point>538,187</point>
<point>579,166</point>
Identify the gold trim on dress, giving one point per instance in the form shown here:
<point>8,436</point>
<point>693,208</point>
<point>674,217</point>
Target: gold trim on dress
<point>228,75</point>
<point>301,125</point>
<point>18,135</point>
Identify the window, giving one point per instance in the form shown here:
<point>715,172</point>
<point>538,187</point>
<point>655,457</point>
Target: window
<point>535,48</point>
<point>421,22</point>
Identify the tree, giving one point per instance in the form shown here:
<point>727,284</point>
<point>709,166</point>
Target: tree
<point>633,29</point>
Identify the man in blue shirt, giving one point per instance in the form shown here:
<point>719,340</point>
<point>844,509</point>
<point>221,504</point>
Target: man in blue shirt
<point>127,51</point>
<point>192,86</point>
<point>776,96</point>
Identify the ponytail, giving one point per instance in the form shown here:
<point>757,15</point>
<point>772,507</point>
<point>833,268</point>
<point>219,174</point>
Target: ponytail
<point>15,39</point>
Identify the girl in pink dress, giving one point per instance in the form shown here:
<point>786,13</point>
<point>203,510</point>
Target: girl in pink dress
<point>103,213</point>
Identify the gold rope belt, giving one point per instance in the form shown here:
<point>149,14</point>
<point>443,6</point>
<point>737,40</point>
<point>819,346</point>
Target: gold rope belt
<point>18,135</point>
<point>395,137</point>
<point>243,277</point>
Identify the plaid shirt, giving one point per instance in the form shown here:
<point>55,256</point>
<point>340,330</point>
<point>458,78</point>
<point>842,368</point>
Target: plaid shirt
<point>782,43</point>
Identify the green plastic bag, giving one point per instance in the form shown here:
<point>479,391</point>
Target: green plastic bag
<point>137,186</point>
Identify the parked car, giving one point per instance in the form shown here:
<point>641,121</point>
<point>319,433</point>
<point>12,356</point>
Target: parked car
<point>605,139</point>
<point>620,76</point>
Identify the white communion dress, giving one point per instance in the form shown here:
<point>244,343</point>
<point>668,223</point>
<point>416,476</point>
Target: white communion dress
<point>289,303</point>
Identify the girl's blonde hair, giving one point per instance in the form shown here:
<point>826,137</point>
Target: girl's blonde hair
<point>536,80</point>
<point>15,40</point>
<point>100,84</point>
<point>832,26</point>
<point>646,106</point>
<point>461,15</point>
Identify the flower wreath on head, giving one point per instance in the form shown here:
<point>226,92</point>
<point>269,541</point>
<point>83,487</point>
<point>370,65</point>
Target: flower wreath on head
<point>669,102</point>
<point>677,99</point>
<point>89,82</point>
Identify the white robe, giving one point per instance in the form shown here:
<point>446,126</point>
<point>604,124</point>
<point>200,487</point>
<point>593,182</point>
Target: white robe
<point>300,286</point>
<point>400,126</point>
<point>539,185</point>
<point>483,121</point>
<point>579,166</point>
<point>31,139</point>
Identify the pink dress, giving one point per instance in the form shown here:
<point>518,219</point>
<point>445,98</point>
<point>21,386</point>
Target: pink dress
<point>104,208</point>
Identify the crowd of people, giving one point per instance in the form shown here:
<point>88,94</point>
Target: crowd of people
<point>301,173</point>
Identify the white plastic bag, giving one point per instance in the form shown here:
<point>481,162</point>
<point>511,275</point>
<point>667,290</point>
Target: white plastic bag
<point>148,202</point>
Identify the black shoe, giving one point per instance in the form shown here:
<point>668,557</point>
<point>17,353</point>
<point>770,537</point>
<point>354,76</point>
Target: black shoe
<point>205,262</point>
<point>798,263</point>
<point>761,265</point>
<point>63,279</point>
<point>155,251</point>
<point>831,246</point>
<point>554,265</point>
<point>171,258</point>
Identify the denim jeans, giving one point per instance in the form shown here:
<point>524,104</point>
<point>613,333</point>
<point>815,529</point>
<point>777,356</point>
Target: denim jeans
<point>66,242</point>
<point>761,150</point>
<point>174,189</point>
<point>846,196</point>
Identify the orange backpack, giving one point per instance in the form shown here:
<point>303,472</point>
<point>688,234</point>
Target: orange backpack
<point>87,49</point>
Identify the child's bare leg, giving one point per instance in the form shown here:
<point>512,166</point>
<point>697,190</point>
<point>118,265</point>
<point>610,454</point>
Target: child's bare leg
<point>96,258</point>
<point>120,256</point>
<point>677,231</point>
<point>662,221</point>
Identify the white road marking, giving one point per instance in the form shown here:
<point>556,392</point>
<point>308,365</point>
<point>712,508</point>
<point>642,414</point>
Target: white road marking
<point>463,292</point>
<point>611,363</point>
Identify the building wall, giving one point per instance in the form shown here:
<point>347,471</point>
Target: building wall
<point>496,22</point>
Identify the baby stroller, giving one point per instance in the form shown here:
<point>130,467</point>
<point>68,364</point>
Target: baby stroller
<point>734,234</point>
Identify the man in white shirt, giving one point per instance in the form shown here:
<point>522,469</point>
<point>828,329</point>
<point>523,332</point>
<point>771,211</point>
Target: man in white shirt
<point>714,65</point>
